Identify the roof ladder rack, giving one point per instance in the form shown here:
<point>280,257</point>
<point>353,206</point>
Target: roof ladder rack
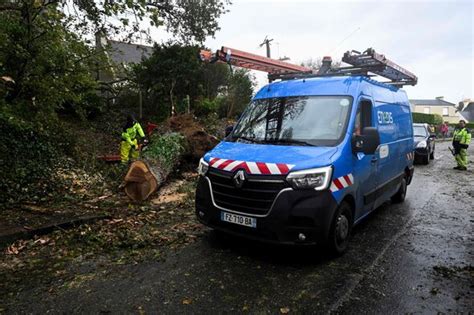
<point>247,60</point>
<point>369,63</point>
<point>380,65</point>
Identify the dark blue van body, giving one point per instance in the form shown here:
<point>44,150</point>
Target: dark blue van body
<point>285,186</point>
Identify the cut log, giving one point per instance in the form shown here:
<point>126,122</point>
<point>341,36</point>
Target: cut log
<point>146,175</point>
<point>138,182</point>
<point>142,180</point>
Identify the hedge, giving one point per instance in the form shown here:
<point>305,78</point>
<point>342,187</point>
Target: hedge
<point>469,126</point>
<point>432,119</point>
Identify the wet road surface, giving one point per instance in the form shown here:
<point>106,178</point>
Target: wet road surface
<point>412,257</point>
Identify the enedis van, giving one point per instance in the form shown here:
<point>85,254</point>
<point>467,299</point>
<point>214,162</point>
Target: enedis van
<point>307,160</point>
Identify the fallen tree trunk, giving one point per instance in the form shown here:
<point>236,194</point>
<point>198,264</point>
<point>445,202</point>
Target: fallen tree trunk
<point>198,140</point>
<point>188,141</point>
<point>146,175</point>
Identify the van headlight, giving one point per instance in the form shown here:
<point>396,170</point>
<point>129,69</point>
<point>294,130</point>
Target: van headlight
<point>315,178</point>
<point>421,144</point>
<point>202,167</point>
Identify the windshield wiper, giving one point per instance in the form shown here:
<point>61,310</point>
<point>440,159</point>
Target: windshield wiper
<point>290,141</point>
<point>253,140</point>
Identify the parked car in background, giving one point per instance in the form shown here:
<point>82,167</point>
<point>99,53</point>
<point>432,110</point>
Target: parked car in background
<point>424,143</point>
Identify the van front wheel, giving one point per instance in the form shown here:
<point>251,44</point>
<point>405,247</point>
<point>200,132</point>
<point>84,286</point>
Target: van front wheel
<point>340,229</point>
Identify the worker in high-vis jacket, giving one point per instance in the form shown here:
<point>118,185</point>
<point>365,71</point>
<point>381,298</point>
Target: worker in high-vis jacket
<point>461,140</point>
<point>129,144</point>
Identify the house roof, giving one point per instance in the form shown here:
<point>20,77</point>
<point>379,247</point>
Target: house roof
<point>434,102</point>
<point>468,112</point>
<point>125,53</point>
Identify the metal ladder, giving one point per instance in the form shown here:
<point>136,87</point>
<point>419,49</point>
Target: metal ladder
<point>368,63</point>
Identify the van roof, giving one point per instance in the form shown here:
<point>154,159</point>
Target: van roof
<point>330,85</point>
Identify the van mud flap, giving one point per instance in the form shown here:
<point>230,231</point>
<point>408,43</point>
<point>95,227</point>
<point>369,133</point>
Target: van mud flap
<point>411,170</point>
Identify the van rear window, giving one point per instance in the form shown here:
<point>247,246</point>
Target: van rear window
<point>304,120</point>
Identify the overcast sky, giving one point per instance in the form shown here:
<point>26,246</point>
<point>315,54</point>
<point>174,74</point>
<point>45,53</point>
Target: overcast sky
<point>433,39</point>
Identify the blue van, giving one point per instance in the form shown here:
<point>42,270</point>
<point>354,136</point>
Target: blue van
<point>307,160</point>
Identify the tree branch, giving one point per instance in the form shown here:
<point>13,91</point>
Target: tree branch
<point>10,7</point>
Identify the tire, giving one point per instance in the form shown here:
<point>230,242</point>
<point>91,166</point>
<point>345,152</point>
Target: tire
<point>340,231</point>
<point>400,195</point>
<point>425,159</point>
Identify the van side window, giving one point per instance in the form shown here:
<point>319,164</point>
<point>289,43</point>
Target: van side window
<point>363,117</point>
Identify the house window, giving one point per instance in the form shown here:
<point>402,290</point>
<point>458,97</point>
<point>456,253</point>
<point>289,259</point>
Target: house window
<point>445,111</point>
<point>426,110</point>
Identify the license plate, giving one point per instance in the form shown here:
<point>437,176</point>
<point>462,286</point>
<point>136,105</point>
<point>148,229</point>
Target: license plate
<point>238,219</point>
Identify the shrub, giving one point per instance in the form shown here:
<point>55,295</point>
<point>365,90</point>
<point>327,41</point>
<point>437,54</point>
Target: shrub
<point>29,155</point>
<point>205,107</point>
<point>432,119</point>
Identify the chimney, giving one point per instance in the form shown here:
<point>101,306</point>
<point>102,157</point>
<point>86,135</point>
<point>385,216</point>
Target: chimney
<point>325,65</point>
<point>441,98</point>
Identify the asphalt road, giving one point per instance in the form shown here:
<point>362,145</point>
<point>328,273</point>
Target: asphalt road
<point>414,257</point>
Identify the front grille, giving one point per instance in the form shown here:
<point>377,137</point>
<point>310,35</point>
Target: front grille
<point>256,196</point>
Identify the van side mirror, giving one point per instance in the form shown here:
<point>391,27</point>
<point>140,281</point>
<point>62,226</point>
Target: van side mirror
<point>367,142</point>
<point>228,130</point>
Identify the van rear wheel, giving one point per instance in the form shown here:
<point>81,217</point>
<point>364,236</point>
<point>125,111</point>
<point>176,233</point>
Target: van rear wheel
<point>401,193</point>
<point>341,228</point>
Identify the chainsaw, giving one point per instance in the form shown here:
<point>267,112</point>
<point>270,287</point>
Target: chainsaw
<point>452,151</point>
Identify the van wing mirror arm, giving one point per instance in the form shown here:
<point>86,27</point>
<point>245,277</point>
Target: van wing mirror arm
<point>367,142</point>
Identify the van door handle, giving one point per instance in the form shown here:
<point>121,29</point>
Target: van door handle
<point>374,160</point>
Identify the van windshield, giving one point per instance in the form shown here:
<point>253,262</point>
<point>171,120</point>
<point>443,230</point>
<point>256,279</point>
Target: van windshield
<point>302,120</point>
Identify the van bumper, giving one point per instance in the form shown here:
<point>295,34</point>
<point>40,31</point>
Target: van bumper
<point>308,212</point>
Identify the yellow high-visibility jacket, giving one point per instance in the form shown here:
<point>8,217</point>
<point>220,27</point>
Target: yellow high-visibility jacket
<point>462,137</point>
<point>131,133</point>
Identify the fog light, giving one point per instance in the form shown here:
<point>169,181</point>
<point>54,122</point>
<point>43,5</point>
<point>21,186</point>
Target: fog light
<point>301,237</point>
<point>201,214</point>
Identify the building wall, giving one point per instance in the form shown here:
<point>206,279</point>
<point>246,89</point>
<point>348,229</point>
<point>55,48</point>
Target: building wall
<point>452,117</point>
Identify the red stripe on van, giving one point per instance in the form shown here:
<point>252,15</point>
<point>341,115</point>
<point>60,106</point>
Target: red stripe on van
<point>263,168</point>
<point>348,180</point>
<point>283,168</point>
<point>224,164</point>
<point>338,183</point>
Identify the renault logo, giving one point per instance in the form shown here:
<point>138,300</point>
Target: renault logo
<point>239,179</point>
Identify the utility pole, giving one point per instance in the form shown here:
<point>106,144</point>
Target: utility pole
<point>266,42</point>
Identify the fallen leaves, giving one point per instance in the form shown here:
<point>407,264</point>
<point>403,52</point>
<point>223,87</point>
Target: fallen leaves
<point>42,241</point>
<point>187,301</point>
<point>114,221</point>
<point>134,233</point>
<point>16,248</point>
<point>20,245</point>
